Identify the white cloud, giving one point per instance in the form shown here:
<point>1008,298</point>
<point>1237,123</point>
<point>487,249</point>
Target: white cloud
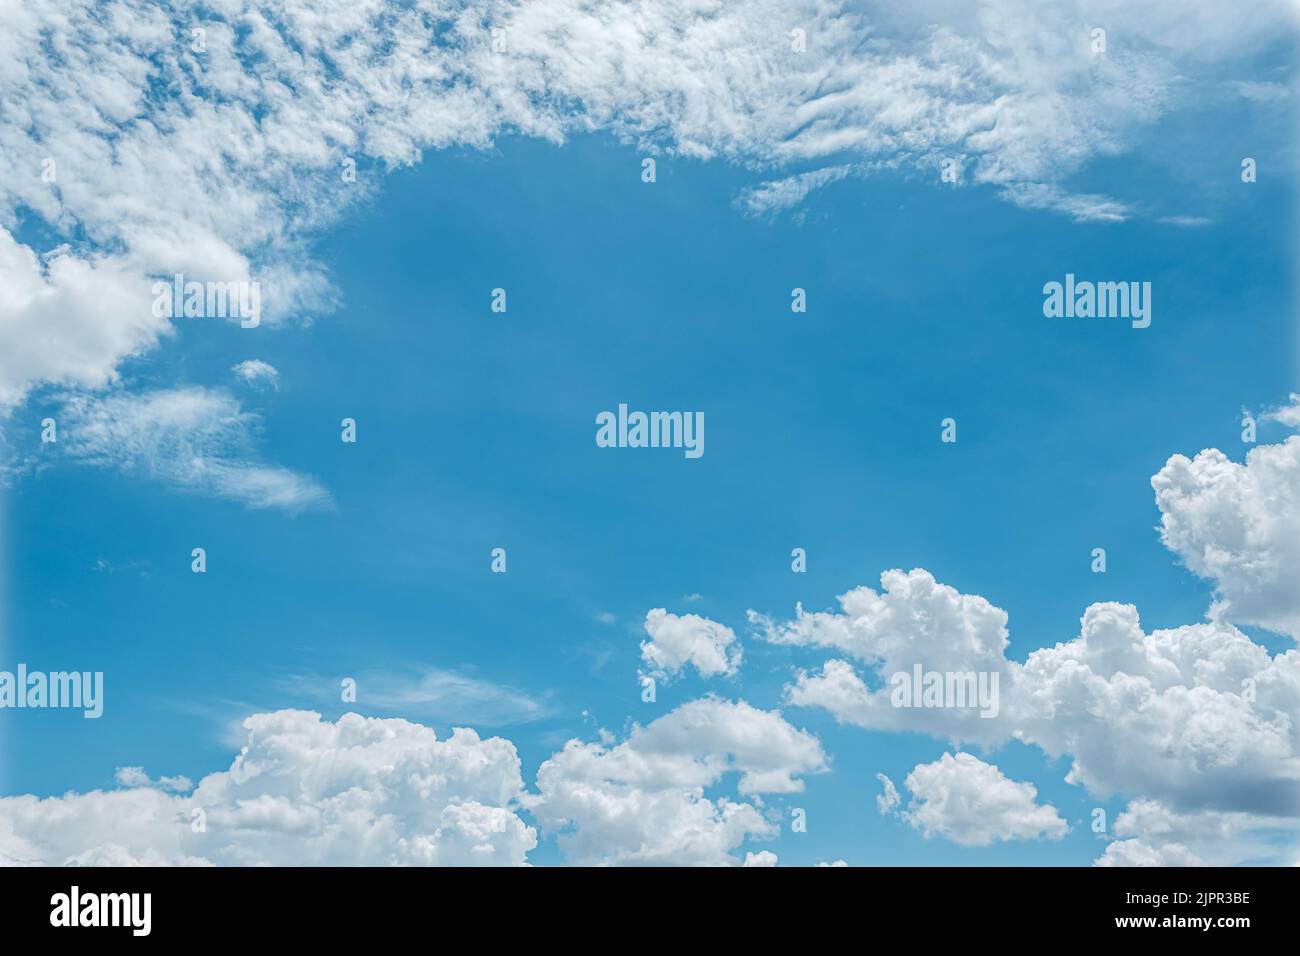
<point>888,800</point>
<point>643,801</point>
<point>68,319</point>
<point>250,163</point>
<point>1289,414</point>
<point>1166,715</point>
<point>302,791</point>
<point>1261,92</point>
<point>227,177</point>
<point>257,373</point>
<point>1198,717</point>
<point>779,194</point>
<point>197,439</point>
<point>1080,207</point>
<point>1239,525</point>
<point>972,803</point>
<point>427,693</point>
<point>761,858</point>
<point>136,777</point>
<point>912,620</point>
<point>1163,714</point>
<point>676,642</point>
<point>1138,853</point>
<point>1150,834</point>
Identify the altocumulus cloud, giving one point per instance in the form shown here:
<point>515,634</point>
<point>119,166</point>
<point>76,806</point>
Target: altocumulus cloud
<point>251,160</point>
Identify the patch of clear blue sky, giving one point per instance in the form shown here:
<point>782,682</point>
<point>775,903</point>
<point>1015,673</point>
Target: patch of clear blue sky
<point>477,430</point>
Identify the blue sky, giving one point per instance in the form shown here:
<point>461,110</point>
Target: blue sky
<point>475,431</point>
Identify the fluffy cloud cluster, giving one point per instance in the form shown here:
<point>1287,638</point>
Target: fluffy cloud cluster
<point>1198,720</point>
<point>1199,716</point>
<point>1139,853</point>
<point>218,153</point>
<point>913,620</point>
<point>384,791</point>
<point>1198,725</point>
<point>1239,526</point>
<point>303,791</point>
<point>971,803</point>
<point>675,642</point>
<point>643,801</point>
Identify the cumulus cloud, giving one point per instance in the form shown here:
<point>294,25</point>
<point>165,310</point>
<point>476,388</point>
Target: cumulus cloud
<point>676,642</point>
<point>251,163</point>
<point>1138,853</point>
<point>643,801</point>
<point>196,439</point>
<point>1198,717</point>
<point>912,620</point>
<point>1148,833</point>
<point>68,319</point>
<point>303,791</point>
<point>970,802</point>
<point>1239,526</point>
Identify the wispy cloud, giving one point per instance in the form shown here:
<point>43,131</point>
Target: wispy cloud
<point>781,194</point>
<point>1081,207</point>
<point>423,693</point>
<point>196,439</point>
